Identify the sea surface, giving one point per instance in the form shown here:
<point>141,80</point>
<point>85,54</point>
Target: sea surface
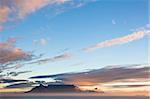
<point>74,97</point>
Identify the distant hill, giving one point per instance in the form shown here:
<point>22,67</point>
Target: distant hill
<point>54,88</point>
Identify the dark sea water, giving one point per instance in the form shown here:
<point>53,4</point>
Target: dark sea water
<point>73,97</point>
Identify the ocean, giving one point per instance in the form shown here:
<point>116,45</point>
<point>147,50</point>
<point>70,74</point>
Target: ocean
<point>75,97</point>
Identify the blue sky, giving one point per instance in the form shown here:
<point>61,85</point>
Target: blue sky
<point>77,28</point>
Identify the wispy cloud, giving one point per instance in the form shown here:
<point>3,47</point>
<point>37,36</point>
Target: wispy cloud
<point>120,40</point>
<point>77,64</point>
<point>61,57</point>
<point>17,73</point>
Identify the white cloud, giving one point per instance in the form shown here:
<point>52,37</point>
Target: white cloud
<point>41,41</point>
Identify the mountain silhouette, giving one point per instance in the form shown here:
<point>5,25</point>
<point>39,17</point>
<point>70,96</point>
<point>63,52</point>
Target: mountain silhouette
<point>54,88</point>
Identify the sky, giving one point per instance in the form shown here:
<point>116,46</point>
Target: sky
<point>48,37</point>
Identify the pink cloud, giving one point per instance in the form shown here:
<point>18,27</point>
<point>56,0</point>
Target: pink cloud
<point>121,40</point>
<point>21,8</point>
<point>9,53</point>
<point>102,76</point>
<point>27,7</point>
<point>4,11</point>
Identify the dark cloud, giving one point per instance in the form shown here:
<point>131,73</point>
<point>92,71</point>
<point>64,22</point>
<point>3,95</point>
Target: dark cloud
<point>20,85</point>
<point>48,76</point>
<point>17,73</point>
<point>11,80</point>
<point>103,75</point>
